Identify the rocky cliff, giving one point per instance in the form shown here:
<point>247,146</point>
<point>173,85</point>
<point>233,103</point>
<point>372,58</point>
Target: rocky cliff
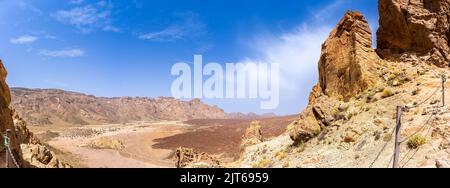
<point>411,29</point>
<point>59,107</point>
<point>6,121</point>
<point>24,149</point>
<point>347,67</point>
<point>351,115</point>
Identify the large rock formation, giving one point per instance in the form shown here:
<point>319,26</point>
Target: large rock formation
<point>346,68</point>
<point>351,115</point>
<point>417,28</point>
<point>6,121</point>
<point>189,158</point>
<point>252,135</point>
<point>25,148</point>
<point>346,57</point>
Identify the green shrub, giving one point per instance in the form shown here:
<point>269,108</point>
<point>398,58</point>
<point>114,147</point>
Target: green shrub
<point>263,163</point>
<point>387,137</point>
<point>387,92</point>
<point>416,141</point>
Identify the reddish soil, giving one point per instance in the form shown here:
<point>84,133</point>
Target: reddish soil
<point>221,136</point>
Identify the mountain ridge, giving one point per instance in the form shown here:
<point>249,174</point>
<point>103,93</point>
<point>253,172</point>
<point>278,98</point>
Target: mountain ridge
<point>57,106</point>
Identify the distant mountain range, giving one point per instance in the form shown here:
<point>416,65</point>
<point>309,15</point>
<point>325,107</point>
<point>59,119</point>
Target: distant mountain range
<point>59,107</point>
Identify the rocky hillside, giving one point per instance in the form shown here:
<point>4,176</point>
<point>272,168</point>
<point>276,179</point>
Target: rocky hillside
<point>351,115</point>
<point>50,106</point>
<point>24,150</point>
<point>59,107</point>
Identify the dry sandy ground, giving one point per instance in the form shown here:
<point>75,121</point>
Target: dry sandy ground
<point>71,144</point>
<point>222,137</point>
<point>151,144</point>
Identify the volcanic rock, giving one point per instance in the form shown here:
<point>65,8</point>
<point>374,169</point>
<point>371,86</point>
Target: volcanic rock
<point>252,135</point>
<point>346,68</point>
<point>188,158</point>
<point>415,28</point>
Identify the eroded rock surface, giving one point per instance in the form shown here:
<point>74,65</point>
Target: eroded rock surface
<point>347,55</point>
<point>346,68</point>
<point>188,158</point>
<point>252,135</point>
<point>414,29</point>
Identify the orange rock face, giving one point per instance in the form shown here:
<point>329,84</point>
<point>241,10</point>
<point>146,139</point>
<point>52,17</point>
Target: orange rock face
<point>188,158</point>
<point>253,135</point>
<point>415,28</point>
<point>345,57</point>
<point>346,68</point>
<point>6,121</point>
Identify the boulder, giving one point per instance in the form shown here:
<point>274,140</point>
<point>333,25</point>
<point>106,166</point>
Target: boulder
<point>252,135</point>
<point>189,158</point>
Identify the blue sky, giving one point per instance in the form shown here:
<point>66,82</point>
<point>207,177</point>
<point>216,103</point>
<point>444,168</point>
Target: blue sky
<point>127,48</point>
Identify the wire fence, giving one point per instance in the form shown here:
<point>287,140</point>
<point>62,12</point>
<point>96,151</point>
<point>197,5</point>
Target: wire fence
<point>8,152</point>
<point>424,124</point>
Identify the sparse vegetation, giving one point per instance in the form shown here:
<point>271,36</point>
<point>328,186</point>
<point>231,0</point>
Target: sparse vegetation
<point>416,91</point>
<point>377,135</point>
<point>387,92</point>
<point>301,147</point>
<point>84,132</point>
<point>416,141</point>
<point>281,154</point>
<point>263,163</point>
<point>387,137</point>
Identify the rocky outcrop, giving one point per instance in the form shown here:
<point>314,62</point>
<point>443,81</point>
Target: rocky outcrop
<point>346,68</point>
<point>6,121</point>
<point>252,135</point>
<point>25,148</point>
<point>415,29</point>
<point>352,112</point>
<point>39,156</point>
<point>188,158</point>
<point>23,135</point>
<point>34,153</point>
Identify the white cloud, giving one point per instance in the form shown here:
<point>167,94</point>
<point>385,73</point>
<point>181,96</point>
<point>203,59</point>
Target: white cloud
<point>76,2</point>
<point>328,11</point>
<point>26,39</point>
<point>63,53</point>
<point>80,16</point>
<point>89,17</point>
<point>171,33</point>
<point>297,52</point>
<point>187,26</point>
<point>111,28</point>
